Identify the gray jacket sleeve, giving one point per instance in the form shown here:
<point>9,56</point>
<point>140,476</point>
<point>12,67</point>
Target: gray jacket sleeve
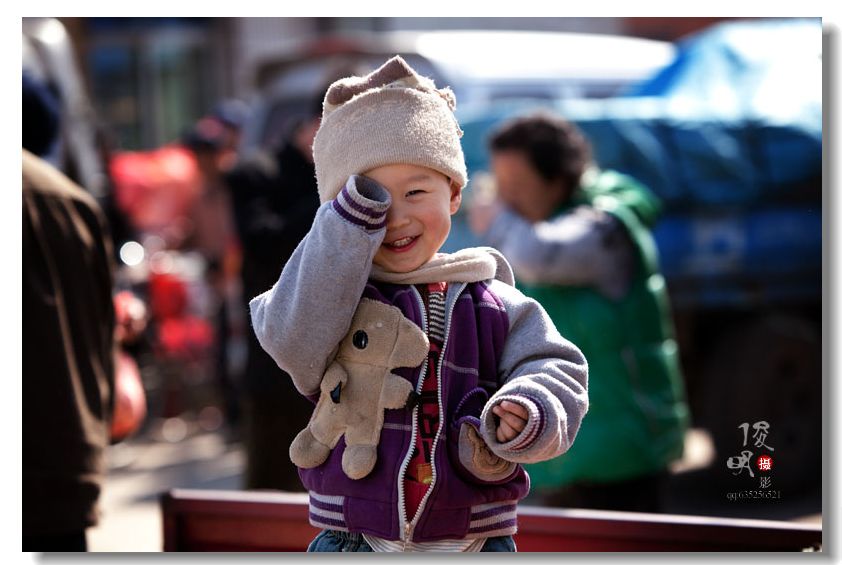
<point>543,372</point>
<point>585,247</point>
<point>303,317</point>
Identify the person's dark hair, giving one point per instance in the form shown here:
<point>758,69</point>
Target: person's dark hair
<point>554,146</point>
<point>41,116</point>
<point>232,113</point>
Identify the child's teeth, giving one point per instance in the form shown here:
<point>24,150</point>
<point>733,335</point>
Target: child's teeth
<point>402,242</point>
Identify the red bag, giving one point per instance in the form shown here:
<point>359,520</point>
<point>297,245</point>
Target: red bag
<point>129,398</point>
<point>154,188</point>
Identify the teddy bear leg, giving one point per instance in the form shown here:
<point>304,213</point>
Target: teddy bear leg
<point>306,451</point>
<point>359,460</point>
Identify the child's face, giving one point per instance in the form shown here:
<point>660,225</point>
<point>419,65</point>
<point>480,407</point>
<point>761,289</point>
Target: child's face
<point>418,221</point>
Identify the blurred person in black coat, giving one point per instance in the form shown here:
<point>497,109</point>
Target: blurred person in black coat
<point>275,201</point>
<point>67,342</point>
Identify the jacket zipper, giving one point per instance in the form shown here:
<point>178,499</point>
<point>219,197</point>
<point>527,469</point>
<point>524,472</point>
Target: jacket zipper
<point>406,526</point>
<point>409,527</point>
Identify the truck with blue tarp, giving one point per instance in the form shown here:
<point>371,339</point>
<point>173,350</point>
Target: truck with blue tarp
<point>729,137</point>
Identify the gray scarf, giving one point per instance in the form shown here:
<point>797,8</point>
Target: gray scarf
<point>466,265</point>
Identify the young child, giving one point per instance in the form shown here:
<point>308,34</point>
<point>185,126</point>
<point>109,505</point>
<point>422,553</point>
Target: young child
<point>499,387</point>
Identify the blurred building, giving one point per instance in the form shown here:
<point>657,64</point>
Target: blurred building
<point>150,78</point>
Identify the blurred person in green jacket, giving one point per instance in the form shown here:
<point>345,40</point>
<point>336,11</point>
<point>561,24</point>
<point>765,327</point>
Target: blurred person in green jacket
<point>580,242</point>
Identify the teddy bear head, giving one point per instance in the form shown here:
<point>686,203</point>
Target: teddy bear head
<point>381,336</point>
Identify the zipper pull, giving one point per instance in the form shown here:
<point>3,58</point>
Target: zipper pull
<point>407,532</point>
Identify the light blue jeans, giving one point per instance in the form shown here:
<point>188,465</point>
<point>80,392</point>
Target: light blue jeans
<point>332,540</point>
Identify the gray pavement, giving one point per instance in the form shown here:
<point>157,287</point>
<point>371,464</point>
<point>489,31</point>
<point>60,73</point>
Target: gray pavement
<point>141,469</point>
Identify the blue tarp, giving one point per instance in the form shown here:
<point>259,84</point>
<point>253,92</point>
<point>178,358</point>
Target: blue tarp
<point>735,120</point>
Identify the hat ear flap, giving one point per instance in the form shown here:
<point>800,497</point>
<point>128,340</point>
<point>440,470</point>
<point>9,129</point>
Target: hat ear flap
<point>394,70</point>
<point>341,91</point>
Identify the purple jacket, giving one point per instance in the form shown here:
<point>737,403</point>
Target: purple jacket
<point>499,345</point>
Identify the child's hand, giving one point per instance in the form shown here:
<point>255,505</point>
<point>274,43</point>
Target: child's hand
<point>512,417</point>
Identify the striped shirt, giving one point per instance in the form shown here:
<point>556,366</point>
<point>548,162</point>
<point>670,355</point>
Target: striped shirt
<point>419,473</point>
<point>448,545</point>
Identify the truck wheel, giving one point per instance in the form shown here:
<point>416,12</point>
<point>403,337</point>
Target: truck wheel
<point>768,370</point>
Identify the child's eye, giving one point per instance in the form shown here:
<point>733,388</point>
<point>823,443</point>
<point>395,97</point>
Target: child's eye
<point>415,192</point>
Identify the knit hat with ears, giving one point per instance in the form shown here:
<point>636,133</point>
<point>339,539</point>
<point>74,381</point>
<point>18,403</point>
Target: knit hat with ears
<point>390,116</point>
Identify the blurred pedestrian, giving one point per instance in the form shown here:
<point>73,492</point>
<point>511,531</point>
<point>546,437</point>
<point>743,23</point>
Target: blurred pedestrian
<point>275,201</point>
<point>580,242</point>
<point>212,142</point>
<point>233,115</point>
<point>68,344</point>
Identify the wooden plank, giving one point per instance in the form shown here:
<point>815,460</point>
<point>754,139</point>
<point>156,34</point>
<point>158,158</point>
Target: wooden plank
<point>200,520</point>
<point>197,520</point>
<point>550,529</point>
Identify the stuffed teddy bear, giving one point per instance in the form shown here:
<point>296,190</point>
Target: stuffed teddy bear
<point>358,386</point>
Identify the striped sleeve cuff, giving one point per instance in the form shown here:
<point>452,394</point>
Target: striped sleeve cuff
<point>534,425</point>
<point>363,202</point>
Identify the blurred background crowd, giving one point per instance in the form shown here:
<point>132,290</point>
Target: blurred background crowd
<point>193,137</point>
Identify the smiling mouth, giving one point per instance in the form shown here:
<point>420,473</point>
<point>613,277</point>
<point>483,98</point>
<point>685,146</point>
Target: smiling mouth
<point>402,244</point>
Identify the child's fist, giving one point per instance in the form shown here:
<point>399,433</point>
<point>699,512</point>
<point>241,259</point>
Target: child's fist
<point>512,418</point>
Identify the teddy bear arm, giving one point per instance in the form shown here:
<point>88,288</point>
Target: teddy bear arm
<point>335,375</point>
<point>395,391</point>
